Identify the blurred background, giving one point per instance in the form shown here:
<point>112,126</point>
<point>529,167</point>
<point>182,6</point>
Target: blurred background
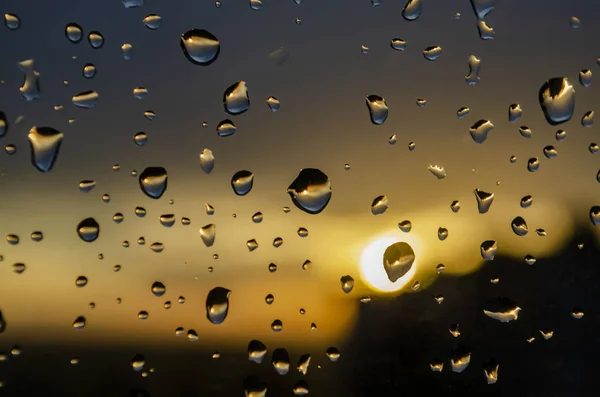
<point>82,317</point>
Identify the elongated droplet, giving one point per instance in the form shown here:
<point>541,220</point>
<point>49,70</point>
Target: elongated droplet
<point>557,100</point>
<point>217,305</point>
<point>310,191</point>
<point>236,99</point>
<point>200,46</point>
<point>412,10</point>
<point>437,170</point>
<point>474,67</point>
<point>86,99</point>
<point>208,234</point>
<point>503,310</point>
<point>484,200</point>
<point>483,7</point>
<point>152,21</point>
<point>378,109</point>
<point>207,161</point>
<point>30,89</point>
<point>398,258</point>
<point>153,182</point>
<point>486,32</point>
<point>463,112</point>
<point>432,53</point>
<point>45,144</point>
<point>398,44</point>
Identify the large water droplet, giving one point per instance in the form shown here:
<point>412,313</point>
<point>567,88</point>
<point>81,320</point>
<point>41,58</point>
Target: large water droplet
<point>73,32</point>
<point>398,258</point>
<point>226,128</point>
<point>256,351</point>
<point>167,220</point>
<point>488,250</point>
<point>432,53</point>
<point>86,99</point>
<point>30,89</point>
<point>557,99</point>
<point>235,98</point>
<point>217,305</point>
<point>45,144</point>
<point>474,67</point>
<point>207,160</point>
<point>519,226</point>
<point>153,181</point>
<point>281,361</point>
<point>96,40</point>
<point>152,21</point>
<point>310,191</point>
<point>200,46</point>
<point>242,182</point>
<point>378,109</point>
<point>484,200</point>
<point>379,205</point>
<point>88,230</point>
<point>208,234</point>
<point>12,21</point>
<point>480,130</point>
<point>412,10</point>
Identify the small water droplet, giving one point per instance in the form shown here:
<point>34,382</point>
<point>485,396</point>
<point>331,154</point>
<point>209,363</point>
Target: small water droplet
<point>273,103</point>
<point>533,164</point>
<point>10,149</point>
<point>595,215</point>
<point>490,370</point>
<point>411,146</point>
<point>86,99</point>
<point>140,138</point>
<point>560,135</point>
<point>525,131</point>
<point>436,366</point>
<point>209,209</point>
<point>398,44</point>
<point>480,130</point>
<point>30,90</point>
<point>593,148</point>
<point>207,160</point>
<point>88,230</point>
<point>474,68</point>
<point>19,268</point>
<point>484,200</point>
<point>12,21</point>
<point>550,152</point>
<point>526,201</point>
<point>530,260</point>
<point>364,49</point>
<point>157,247</point>
<point>574,22</point>
<point>12,239</point>
<point>588,119</point>
<point>140,92</point>
<point>503,310</point>
<point>236,99</point>
<point>432,53</point>
<point>378,109</point>
<point>96,40</point>
<point>208,234</point>
<point>557,100</point>
<point>256,351</point>
<point>302,232</point>
<point>514,112</point>
<point>455,206</point>
<point>513,159</point>
<point>379,205</point>
<point>463,112</point>
<point>133,3</point>
<point>398,258</point>
<point>307,265</point>
<point>127,51</point>
<point>333,354</point>
<point>405,226</point>
<point>577,313</point>
<point>152,21</point>
<point>251,245</point>
<point>277,326</point>
<point>546,333</point>
<point>242,182</point>
<point>217,305</point>
<point>37,236</point>
<point>277,242</point>
<point>519,226</point>
<point>73,32</point>
<point>460,359</point>
<point>585,77</point>
<point>442,233</point>
<point>153,182</point>
<point>488,249</point>
<point>89,71</point>
<point>347,283</point>
<point>437,170</point>
<point>79,322</point>
<point>257,217</point>
<point>281,361</point>
<point>421,103</point>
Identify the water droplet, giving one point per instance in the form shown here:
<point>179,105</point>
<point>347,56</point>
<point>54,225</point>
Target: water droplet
<point>140,92</point>
<point>519,226</point>
<point>133,3</point>
<point>486,32</point>
<point>398,44</point>
<point>474,67</point>
<point>79,322</point>
<point>200,46</point>
<point>152,21</point>
<point>525,131</point>
<point>138,362</point>
<point>588,119</point>
<point>307,265</point>
<point>3,124</point>
<point>96,39</point>
<point>503,310</point>
<point>86,99</point>
<point>463,112</point>
<point>480,130</point>
<point>574,22</point>
<point>484,200</point>
<point>217,305</point>
<point>12,239</point>
<point>460,360</point>
<point>348,283</point>
<point>585,77</point>
<point>127,51</point>
<point>226,128</point>
<point>277,326</point>
<point>550,152</point>
<point>455,206</point>
<point>412,10</point>
<point>81,281</point>
<point>364,49</point>
<point>398,258</point>
<point>332,354</point>
<point>273,103</point>
<point>411,146</point>
<point>192,335</point>
<point>207,160</point>
<point>281,361</point>
<point>392,140</point>
<point>546,333</point>
<point>560,135</point>
<point>18,268</point>
<point>208,234</point>
<point>12,21</point>
<point>557,100</point>
<point>277,242</point>
<point>10,149</point>
<point>488,249</point>
<point>257,217</point>
<point>514,112</point>
<point>442,233</point>
<point>437,170</point>
<point>379,205</point>
<point>432,53</point>
<point>482,7</point>
<point>421,103</point>
<point>89,71</point>
<point>526,201</point>
<point>88,230</point>
<point>310,191</point>
<point>256,351</point>
<point>242,182</point>
<point>593,148</point>
<point>577,313</point>
<point>235,99</point>
<point>153,182</point>
<point>269,299</point>
<point>280,55</point>
<point>157,247</point>
<point>252,245</point>
<point>45,144</point>
<point>30,90</point>
<point>143,315</point>
<point>209,209</point>
<point>533,164</point>
<point>140,138</point>
<point>302,232</point>
<point>140,212</point>
<point>595,215</point>
<point>298,21</point>
<point>378,109</point>
<point>181,300</point>
<point>490,370</point>
<point>37,236</point>
<point>439,299</point>
<point>405,226</point>
<point>436,366</point>
<point>73,32</point>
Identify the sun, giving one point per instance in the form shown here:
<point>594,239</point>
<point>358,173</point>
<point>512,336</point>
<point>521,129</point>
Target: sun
<point>371,263</point>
